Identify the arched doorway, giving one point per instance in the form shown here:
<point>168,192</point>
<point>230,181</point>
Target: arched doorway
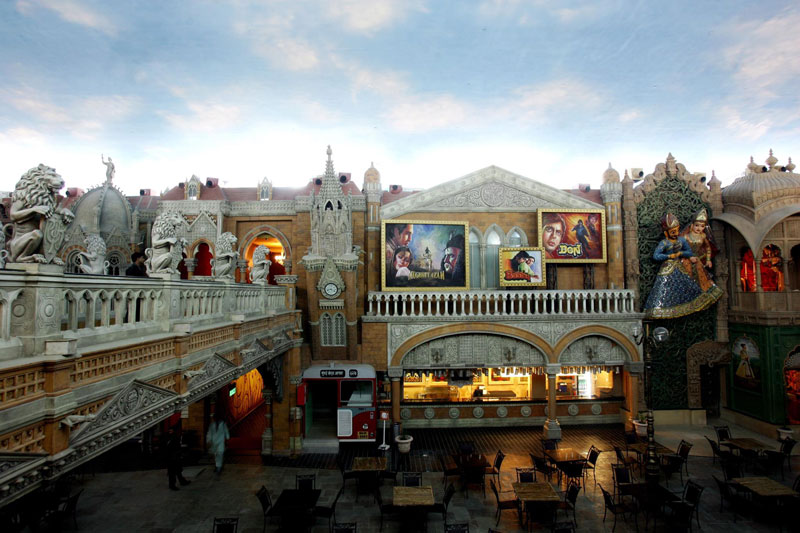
<point>276,255</point>
<point>203,256</point>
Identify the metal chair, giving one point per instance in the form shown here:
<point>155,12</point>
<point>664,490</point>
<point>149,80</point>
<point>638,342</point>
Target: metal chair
<point>322,511</point>
<point>782,456</point>
<point>449,468</point>
<point>226,524</point>
<point>570,499</point>
<point>687,506</point>
<point>549,444</point>
<point>266,503</point>
<point>305,481</point>
<point>670,464</point>
<point>723,455</point>
<point>616,508</point>
<point>412,479</point>
<point>731,469</point>
<point>591,461</point>
<point>622,475</point>
<point>727,494</point>
<point>502,505</point>
<point>723,434</point>
<point>466,447</point>
<point>66,509</point>
<point>385,508</point>
<point>796,484</point>
<point>623,459</point>
<point>494,470</point>
<point>541,465</point>
<point>442,507</point>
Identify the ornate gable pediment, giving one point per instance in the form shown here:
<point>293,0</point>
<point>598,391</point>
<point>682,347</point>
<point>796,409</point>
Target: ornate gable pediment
<point>491,189</point>
<point>136,399</point>
<point>214,367</point>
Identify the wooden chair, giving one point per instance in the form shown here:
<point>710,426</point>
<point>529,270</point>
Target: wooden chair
<point>591,461</point>
<point>623,459</point>
<point>322,511</point>
<point>782,456</point>
<point>494,470</point>
<point>266,503</point>
<point>227,524</point>
<point>541,465</point>
<point>622,475</point>
<point>502,505</point>
<point>305,481</point>
<point>616,508</point>
<point>442,506</point>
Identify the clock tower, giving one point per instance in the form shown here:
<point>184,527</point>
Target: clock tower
<point>331,266</point>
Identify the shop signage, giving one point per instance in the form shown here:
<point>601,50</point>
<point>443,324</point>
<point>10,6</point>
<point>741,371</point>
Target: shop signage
<point>331,373</point>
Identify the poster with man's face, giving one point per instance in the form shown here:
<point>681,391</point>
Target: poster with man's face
<point>573,236</point>
<point>425,255</point>
<point>522,267</point>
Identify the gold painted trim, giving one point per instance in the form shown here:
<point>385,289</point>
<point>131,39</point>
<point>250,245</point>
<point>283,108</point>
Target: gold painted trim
<point>602,212</point>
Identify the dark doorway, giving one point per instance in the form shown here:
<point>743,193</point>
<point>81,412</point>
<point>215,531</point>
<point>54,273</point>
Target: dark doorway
<point>709,389</point>
<point>321,406</point>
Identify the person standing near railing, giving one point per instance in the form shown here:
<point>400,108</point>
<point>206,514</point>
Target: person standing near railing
<point>137,267</point>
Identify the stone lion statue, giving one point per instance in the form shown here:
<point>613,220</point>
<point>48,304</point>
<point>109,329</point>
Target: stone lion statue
<point>3,251</point>
<point>36,235</point>
<point>161,256</point>
<point>93,261</point>
<point>225,261</point>
<point>258,274</point>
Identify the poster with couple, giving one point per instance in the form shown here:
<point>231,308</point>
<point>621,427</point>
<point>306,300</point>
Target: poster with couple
<point>425,255</point>
<point>573,236</point>
<point>522,267</point>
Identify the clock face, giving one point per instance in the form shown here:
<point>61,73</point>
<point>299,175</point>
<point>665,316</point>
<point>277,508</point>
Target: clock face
<point>331,289</point>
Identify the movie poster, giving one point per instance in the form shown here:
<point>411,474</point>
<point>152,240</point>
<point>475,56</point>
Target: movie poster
<point>424,255</point>
<point>522,267</point>
<point>573,236</point>
<point>747,363</point>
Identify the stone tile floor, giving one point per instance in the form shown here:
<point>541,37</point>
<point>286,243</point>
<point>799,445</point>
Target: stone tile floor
<point>141,500</point>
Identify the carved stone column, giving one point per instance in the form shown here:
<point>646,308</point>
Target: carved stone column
<point>190,263</point>
<point>721,263</point>
<point>635,371</point>
<point>396,375</point>
<point>552,429</point>
<point>241,264</point>
<point>630,232</point>
<point>266,437</point>
<point>290,282</point>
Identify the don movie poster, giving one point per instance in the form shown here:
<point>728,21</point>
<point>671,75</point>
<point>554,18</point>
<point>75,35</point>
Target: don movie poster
<point>522,267</point>
<point>424,255</point>
<point>573,236</point>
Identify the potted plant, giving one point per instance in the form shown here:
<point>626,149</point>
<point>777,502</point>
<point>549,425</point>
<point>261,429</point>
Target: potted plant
<point>403,443</point>
<point>640,424</point>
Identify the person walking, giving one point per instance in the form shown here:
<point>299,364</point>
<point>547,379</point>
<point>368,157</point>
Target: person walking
<point>174,466</point>
<point>215,438</point>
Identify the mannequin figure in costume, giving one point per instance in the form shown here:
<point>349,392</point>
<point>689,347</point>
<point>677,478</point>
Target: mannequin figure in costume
<point>700,240</point>
<point>675,292</point>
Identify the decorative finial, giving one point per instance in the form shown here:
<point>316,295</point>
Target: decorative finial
<point>752,165</point>
<point>790,166</point>
<point>329,152</point>
<point>771,160</point>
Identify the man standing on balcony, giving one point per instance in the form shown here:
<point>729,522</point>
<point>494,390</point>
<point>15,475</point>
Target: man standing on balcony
<point>137,267</point>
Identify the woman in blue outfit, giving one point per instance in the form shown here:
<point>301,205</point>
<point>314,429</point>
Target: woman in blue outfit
<point>675,293</point>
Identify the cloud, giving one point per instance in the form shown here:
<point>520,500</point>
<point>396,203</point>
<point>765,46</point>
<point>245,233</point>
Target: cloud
<point>630,116</point>
<point>70,11</point>
<point>274,39</point>
<point>547,100</point>
<point>420,114</point>
<point>763,57</point>
<point>368,16</point>
<point>204,116</point>
<point>528,12</point>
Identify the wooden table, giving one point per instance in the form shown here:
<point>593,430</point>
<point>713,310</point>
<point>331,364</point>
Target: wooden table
<point>641,448</point>
<point>746,444</point>
<point>536,492</point>
<point>412,496</point>
<point>369,464</point>
<point>764,487</point>
<point>293,505</point>
<point>564,455</point>
<point>472,461</point>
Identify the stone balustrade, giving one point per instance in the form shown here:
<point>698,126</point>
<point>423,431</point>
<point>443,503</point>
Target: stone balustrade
<point>41,308</point>
<point>494,304</point>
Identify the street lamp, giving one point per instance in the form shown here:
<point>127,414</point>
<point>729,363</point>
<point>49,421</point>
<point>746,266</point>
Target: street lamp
<point>659,335</point>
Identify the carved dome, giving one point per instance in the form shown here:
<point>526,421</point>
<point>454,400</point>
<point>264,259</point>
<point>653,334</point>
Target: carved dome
<point>610,175</point>
<point>372,175</point>
<point>762,184</point>
<point>102,209</point>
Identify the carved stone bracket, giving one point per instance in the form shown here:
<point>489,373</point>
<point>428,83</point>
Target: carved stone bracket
<point>275,368</point>
<point>703,353</point>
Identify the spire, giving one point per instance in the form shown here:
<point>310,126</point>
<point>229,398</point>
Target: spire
<point>330,184</point>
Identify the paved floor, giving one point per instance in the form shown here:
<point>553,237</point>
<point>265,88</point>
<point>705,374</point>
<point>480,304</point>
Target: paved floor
<point>141,500</point>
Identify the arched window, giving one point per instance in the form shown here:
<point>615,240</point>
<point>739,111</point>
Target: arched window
<point>115,262</point>
<point>771,269</point>
<point>515,238</point>
<point>191,191</point>
<point>333,330</point>
<point>747,272</point>
<point>203,256</point>
<point>492,261</point>
<point>339,330</point>
<point>474,261</point>
<point>794,268</point>
<point>72,263</point>
<point>326,329</point>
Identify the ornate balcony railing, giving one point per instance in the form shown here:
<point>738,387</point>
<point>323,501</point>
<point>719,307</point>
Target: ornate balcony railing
<point>47,305</point>
<point>497,304</point>
<point>779,308</point>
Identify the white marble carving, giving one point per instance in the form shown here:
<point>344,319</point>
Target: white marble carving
<point>405,413</point>
<point>477,412</point>
<point>160,257</point>
<point>502,412</point>
<point>260,270</point>
<point>572,409</point>
<point>454,412</point>
<point>429,413</point>
<point>597,408</point>
<point>525,411</point>
<point>224,263</point>
<point>93,261</point>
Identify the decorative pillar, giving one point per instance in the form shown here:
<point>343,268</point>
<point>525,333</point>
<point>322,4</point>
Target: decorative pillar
<point>266,437</point>
<point>630,232</point>
<point>241,264</point>
<point>611,192</point>
<point>552,429</point>
<point>635,371</point>
<point>482,249</point>
<point>720,262</point>
<point>290,282</point>
<point>396,375</point>
<point>190,263</point>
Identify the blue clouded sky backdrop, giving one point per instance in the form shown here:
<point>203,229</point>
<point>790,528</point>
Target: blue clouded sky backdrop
<point>428,90</point>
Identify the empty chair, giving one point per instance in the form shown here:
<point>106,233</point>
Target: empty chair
<point>570,499</point>
<point>449,468</point>
<point>796,484</point>
<point>591,461</point>
<point>412,479</point>
<point>670,464</point>
<point>305,481</point>
<point>687,506</point>
<point>502,505</point>
<point>727,494</point>
<point>631,438</point>
<point>616,508</point>
<point>461,527</point>
<point>574,472</point>
<point>226,524</point>
<point>266,503</point>
<point>731,469</point>
<point>442,506</point>
<point>549,444</point>
<point>723,435</point>
<point>346,474</point>
<point>623,459</point>
<point>780,457</point>
<point>526,475</point>
<point>623,476</point>
<point>717,452</point>
<point>385,508</point>
<point>322,511</point>
<point>345,527</point>
<point>541,465</point>
<point>474,476</point>
<point>494,469</point>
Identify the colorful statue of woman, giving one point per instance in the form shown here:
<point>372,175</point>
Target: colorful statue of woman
<point>675,292</point>
<point>700,240</point>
